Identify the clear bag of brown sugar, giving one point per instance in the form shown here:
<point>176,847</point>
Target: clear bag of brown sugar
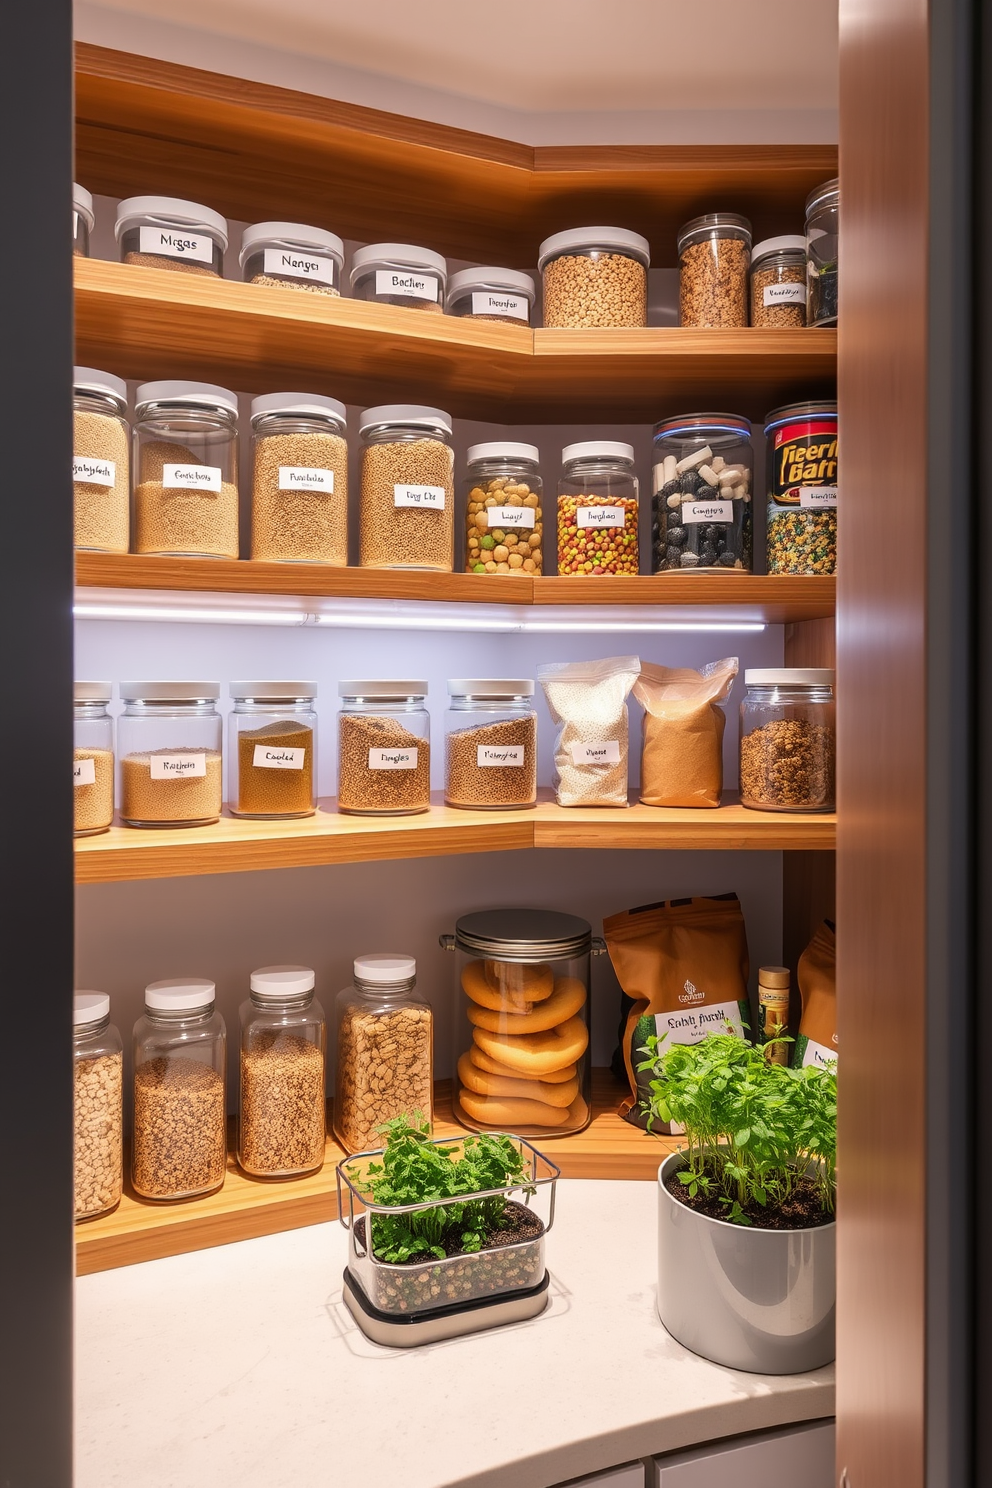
<point>682,733</point>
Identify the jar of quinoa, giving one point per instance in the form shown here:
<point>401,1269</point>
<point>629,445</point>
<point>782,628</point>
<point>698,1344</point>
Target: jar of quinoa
<point>504,518</point>
<point>299,499</point>
<point>778,282</point>
<point>714,256</point>
<point>407,517</point>
<point>597,509</point>
<point>802,489</point>
<point>594,278</point>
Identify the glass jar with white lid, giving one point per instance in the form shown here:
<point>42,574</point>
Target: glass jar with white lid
<point>97,1106</point>
<point>83,220</point>
<point>714,257</point>
<point>170,746</point>
<point>400,274</point>
<point>101,481</point>
<point>385,1050</point>
<point>92,758</point>
<point>503,511</point>
<point>272,762</point>
<point>407,509</point>
<point>597,509</point>
<point>492,294</point>
<point>384,747</point>
<point>594,278</point>
<point>166,232</point>
<point>282,1105</point>
<point>788,739</point>
<point>490,745</point>
<point>290,255</point>
<point>186,470</point>
<point>299,505</point>
<point>778,282</point>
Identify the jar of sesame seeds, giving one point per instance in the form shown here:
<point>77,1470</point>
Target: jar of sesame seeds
<point>595,278</point>
<point>407,517</point>
<point>272,761</point>
<point>299,503</point>
<point>282,1111</point>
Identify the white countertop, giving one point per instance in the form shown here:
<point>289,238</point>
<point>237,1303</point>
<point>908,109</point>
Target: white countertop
<point>239,1367</point>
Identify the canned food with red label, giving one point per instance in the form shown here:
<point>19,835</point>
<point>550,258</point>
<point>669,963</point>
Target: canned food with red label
<point>802,489</point>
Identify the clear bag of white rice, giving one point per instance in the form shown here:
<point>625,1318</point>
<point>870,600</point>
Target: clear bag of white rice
<point>588,702</point>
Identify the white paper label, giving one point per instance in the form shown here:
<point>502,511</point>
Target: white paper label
<point>510,516</point>
<point>690,1025</point>
<point>290,263</point>
<point>430,497</point>
<point>784,294</point>
<point>305,478</point>
<point>815,1053</point>
<point>83,772</point>
<point>694,512</point>
<point>178,766</point>
<point>403,282</point>
<point>607,752</point>
<point>169,242</point>
<point>484,302</point>
<point>393,759</point>
<point>489,756</point>
<point>94,472</point>
<point>265,758</point>
<point>191,477</point>
<point>600,516</point>
<point>814,496</point>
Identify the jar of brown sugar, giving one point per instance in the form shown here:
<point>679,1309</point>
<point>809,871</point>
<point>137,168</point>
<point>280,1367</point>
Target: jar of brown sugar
<point>778,282</point>
<point>299,505</point>
<point>289,255</point>
<point>272,760</point>
<point>407,517</point>
<point>385,1050</point>
<point>490,746</point>
<point>595,278</point>
<point>384,749</point>
<point>101,486</point>
<point>186,470</point>
<point>165,232</point>
<point>92,758</point>
<point>491,294</point>
<point>714,257</point>
<point>170,747</point>
<point>282,1110</point>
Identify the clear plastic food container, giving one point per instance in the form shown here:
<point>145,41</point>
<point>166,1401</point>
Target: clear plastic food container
<point>492,294</point>
<point>290,255</point>
<point>165,232</point>
<point>272,763</point>
<point>400,274</point>
<point>384,748</point>
<point>703,518</point>
<point>282,1106</point>
<point>788,739</point>
<point>101,480</point>
<point>503,509</point>
<point>92,758</point>
<point>801,469</point>
<point>385,1041</point>
<point>299,508</point>
<point>778,282</point>
<point>490,746</point>
<point>822,241</point>
<point>597,509</point>
<point>83,221</point>
<point>595,277</point>
<point>170,746</point>
<point>407,517</point>
<point>714,258</point>
<point>186,470</point>
<point>97,1106</point>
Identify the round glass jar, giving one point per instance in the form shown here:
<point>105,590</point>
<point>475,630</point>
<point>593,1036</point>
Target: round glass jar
<point>272,758</point>
<point>165,232</point>
<point>186,470</point>
<point>282,1099</point>
<point>801,466</point>
<point>101,482</point>
<point>385,1061</point>
<point>788,740</point>
<point>83,221</point>
<point>179,1146</point>
<point>384,748</point>
<point>299,500</point>
<point>822,239</point>
<point>522,1022</point>
<point>778,282</point>
<point>399,274</point>
<point>97,1107</point>
<point>703,517</point>
<point>290,255</point>
<point>92,758</point>
<point>490,744</point>
<point>504,520</point>
<point>170,747</point>
<point>597,509</point>
<point>595,277</point>
<point>492,294</point>
<point>407,509</point>
<point>714,257</point>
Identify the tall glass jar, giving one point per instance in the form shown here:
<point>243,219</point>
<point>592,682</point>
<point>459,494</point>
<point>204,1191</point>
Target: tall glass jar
<point>400,274</point>
<point>299,503</point>
<point>703,517</point>
<point>92,758</point>
<point>170,746</point>
<point>487,293</point>
<point>408,500</point>
<point>384,748</point>
<point>165,232</point>
<point>179,1148</point>
<point>778,282</point>
<point>788,740</point>
<point>822,240</point>
<point>597,509</point>
<point>594,278</point>
<point>282,1111</point>
<point>801,470</point>
<point>522,1023</point>
<point>272,758</point>
<point>83,221</point>
<point>290,255</point>
<point>97,1106</point>
<point>186,470</point>
<point>714,257</point>
<point>385,1060</point>
<point>503,511</point>
<point>490,744</point>
<point>101,483</point>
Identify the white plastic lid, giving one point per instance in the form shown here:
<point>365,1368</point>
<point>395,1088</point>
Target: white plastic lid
<point>180,994</point>
<point>385,968</point>
<point>169,692</point>
<point>610,449</point>
<point>92,692</point>
<point>89,1007</point>
<point>308,405</point>
<point>493,687</point>
<point>503,449</point>
<point>408,255</point>
<point>790,243</point>
<point>278,690</point>
<point>89,380</point>
<point>200,394</point>
<point>290,235</point>
<point>82,202</point>
<point>790,677</point>
<point>595,237</point>
<point>405,413</point>
<point>282,981</point>
<point>373,688</point>
<point>489,278</point>
<point>169,211</point>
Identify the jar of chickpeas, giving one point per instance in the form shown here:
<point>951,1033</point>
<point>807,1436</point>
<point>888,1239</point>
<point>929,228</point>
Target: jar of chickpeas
<point>504,519</point>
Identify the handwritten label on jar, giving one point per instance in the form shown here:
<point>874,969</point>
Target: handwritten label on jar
<point>401,282</point>
<point>178,766</point>
<point>814,496</point>
<point>429,497</point>
<point>191,477</point>
<point>605,753</point>
<point>288,263</point>
<point>484,302</point>
<point>305,478</point>
<point>94,472</point>
<point>393,759</point>
<point>510,516</point>
<point>784,294</point>
<point>169,242</point>
<point>694,512</point>
<point>278,759</point>
<point>510,754</point>
<point>600,516</point>
<point>83,772</point>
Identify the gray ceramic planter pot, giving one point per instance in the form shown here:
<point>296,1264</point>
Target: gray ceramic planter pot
<point>760,1300</point>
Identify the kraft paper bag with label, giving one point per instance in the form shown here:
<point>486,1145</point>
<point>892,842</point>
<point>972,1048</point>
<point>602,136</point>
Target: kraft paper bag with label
<point>682,737</point>
<point>817,1041</point>
<point>683,969</point>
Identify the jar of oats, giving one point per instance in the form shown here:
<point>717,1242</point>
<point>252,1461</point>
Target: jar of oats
<point>289,255</point>
<point>597,509</point>
<point>92,758</point>
<point>281,1111</point>
<point>407,511</point>
<point>165,232</point>
<point>492,294</point>
<point>97,1106</point>
<point>83,221</point>
<point>299,500</point>
<point>400,274</point>
<point>384,748</point>
<point>186,470</point>
<point>504,519</point>
<point>385,1057</point>
<point>272,763</point>
<point>490,744</point>
<point>169,742</point>
<point>714,257</point>
<point>595,277</point>
<point>101,486</point>
<point>778,282</point>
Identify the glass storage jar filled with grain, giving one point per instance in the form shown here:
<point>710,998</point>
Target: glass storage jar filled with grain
<point>290,255</point>
<point>490,745</point>
<point>384,748</point>
<point>101,485</point>
<point>272,760</point>
<point>407,514</point>
<point>822,240</point>
<point>788,739</point>
<point>299,502</point>
<point>385,1063</point>
<point>165,232</point>
<point>597,509</point>
<point>282,1110</point>
<point>714,257</point>
<point>400,274</point>
<point>97,1106</point>
<point>801,470</point>
<point>522,1023</point>
<point>179,1147</point>
<point>92,758</point>
<point>778,282</point>
<point>703,516</point>
<point>186,470</point>
<point>504,517</point>
<point>170,746</point>
<point>492,294</point>
<point>83,221</point>
<point>595,277</point>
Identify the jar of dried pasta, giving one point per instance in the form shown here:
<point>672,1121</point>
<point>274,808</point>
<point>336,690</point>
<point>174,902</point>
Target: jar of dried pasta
<point>299,502</point>
<point>714,257</point>
<point>169,741</point>
<point>384,748</point>
<point>492,294</point>
<point>97,1106</point>
<point>778,282</point>
<point>83,221</point>
<point>92,758</point>
<point>101,485</point>
<point>407,517</point>
<point>282,1111</point>
<point>597,509</point>
<point>385,1050</point>
<point>186,470</point>
<point>272,761</point>
<point>594,278</point>
<point>504,518</point>
<point>400,274</point>
<point>289,255</point>
<point>165,232</point>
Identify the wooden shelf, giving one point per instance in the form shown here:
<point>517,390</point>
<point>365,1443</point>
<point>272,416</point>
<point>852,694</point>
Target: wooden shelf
<point>245,1207</point>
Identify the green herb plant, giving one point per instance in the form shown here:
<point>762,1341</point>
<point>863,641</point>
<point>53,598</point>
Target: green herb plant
<point>753,1130</point>
<point>414,1170</point>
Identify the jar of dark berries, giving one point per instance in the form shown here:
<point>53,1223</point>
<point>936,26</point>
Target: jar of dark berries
<point>702,517</point>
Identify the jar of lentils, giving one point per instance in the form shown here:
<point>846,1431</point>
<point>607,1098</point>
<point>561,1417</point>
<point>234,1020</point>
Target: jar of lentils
<point>490,747</point>
<point>788,739</point>
<point>703,517</point>
<point>385,1050</point>
<point>492,294</point>
<point>101,484</point>
<point>595,277</point>
<point>83,221</point>
<point>822,241</point>
<point>504,517</point>
<point>400,274</point>
<point>778,282</point>
<point>272,761</point>
<point>407,515</point>
<point>714,257</point>
<point>597,509</point>
<point>282,1106</point>
<point>299,494</point>
<point>170,745</point>
<point>384,748</point>
<point>289,255</point>
<point>801,466</point>
<point>97,1106</point>
<point>165,232</point>
<point>186,470</point>
<point>92,758</point>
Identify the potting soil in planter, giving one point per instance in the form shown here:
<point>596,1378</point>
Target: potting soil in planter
<point>802,1211</point>
<point>817,1041</point>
